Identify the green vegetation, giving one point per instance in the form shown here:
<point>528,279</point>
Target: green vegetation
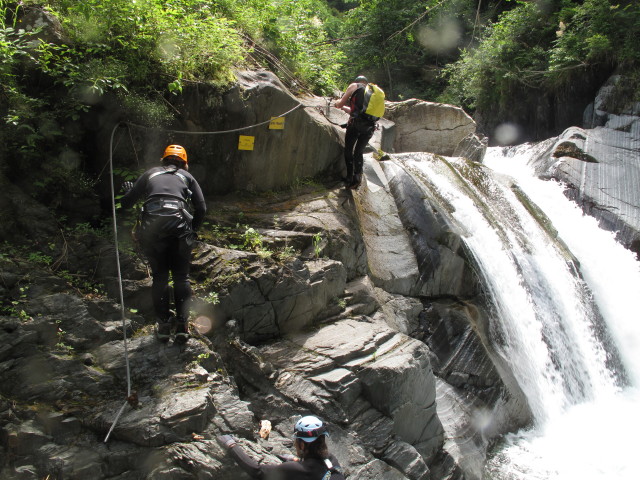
<point>60,345</point>
<point>211,298</point>
<point>491,56</point>
<point>404,44</point>
<point>84,286</point>
<point>546,45</point>
<point>317,244</point>
<point>13,306</point>
<point>246,238</point>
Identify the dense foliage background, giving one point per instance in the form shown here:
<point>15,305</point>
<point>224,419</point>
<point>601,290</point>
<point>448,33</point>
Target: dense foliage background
<point>495,58</point>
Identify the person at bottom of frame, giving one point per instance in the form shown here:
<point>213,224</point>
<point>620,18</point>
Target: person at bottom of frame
<point>313,460</point>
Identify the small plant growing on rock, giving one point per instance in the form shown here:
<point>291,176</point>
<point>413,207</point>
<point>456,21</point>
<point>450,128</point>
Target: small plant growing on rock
<point>13,306</point>
<point>317,247</point>
<point>39,258</point>
<point>287,253</point>
<point>61,345</point>
<point>211,298</point>
<point>252,239</point>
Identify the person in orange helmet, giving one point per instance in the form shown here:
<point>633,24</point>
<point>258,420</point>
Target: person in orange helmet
<point>167,233</point>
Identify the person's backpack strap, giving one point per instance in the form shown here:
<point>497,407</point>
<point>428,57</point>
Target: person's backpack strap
<point>173,170</point>
<point>329,465</point>
<point>331,469</point>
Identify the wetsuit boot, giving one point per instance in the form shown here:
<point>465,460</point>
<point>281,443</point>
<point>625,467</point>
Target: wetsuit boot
<point>182,331</point>
<point>357,180</point>
<point>163,330</point>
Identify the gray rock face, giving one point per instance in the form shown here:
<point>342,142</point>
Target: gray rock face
<point>473,147</point>
<point>269,302</point>
<point>308,145</point>
<point>601,166</point>
<point>366,375</point>
<point>411,247</point>
<point>428,127</point>
<point>339,347</point>
<point>21,216</point>
<point>392,264</point>
<point>46,27</point>
<point>600,163</point>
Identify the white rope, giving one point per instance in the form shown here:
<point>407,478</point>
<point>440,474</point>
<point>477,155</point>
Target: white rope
<point>115,239</point>
<point>300,105</point>
<point>115,421</point>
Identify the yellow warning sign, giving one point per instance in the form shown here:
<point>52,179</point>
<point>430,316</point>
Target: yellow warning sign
<point>276,123</point>
<point>246,142</point>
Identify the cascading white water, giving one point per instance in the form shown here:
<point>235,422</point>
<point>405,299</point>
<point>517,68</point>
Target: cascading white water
<point>593,439</point>
<point>551,323</point>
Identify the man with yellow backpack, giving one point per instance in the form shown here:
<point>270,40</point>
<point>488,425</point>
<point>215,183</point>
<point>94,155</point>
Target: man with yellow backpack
<point>364,102</point>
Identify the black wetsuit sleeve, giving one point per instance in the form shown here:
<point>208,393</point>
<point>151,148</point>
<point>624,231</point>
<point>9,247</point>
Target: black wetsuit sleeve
<point>336,473</point>
<point>245,462</point>
<point>283,471</point>
<point>199,205</point>
<point>136,193</point>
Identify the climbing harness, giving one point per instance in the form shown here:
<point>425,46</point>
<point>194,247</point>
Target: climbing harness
<point>173,170</point>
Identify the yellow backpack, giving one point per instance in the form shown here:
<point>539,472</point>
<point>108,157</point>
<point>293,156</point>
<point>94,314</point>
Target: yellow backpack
<point>373,101</point>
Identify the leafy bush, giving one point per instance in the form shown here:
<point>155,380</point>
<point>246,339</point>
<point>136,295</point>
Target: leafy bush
<point>596,31</point>
<point>297,32</point>
<point>155,37</point>
<point>404,44</point>
<point>512,51</point>
<point>545,45</point>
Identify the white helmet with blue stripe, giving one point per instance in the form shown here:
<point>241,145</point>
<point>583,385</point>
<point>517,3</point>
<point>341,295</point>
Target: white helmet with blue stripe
<point>309,428</point>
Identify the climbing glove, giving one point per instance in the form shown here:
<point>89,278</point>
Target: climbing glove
<point>227,441</point>
<point>126,186</point>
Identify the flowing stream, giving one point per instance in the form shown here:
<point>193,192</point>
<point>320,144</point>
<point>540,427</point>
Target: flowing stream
<point>567,303</point>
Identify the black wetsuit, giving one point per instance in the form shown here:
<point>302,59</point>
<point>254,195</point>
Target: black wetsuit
<point>167,232</point>
<point>360,129</point>
<point>308,469</point>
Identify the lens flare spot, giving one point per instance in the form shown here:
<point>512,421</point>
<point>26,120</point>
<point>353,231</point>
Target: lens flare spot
<point>168,48</point>
<point>441,38</point>
<point>507,134</point>
<point>203,324</point>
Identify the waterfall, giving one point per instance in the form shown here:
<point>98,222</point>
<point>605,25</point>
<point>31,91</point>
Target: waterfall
<point>566,298</point>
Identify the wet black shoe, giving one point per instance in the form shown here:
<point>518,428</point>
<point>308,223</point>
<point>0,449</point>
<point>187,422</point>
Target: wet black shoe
<point>163,330</point>
<point>357,180</point>
<point>347,181</point>
<point>182,332</point>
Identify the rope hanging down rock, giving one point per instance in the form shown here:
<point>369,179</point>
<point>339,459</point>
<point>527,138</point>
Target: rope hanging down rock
<point>124,320</point>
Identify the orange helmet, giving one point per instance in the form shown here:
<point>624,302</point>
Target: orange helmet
<point>177,151</point>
